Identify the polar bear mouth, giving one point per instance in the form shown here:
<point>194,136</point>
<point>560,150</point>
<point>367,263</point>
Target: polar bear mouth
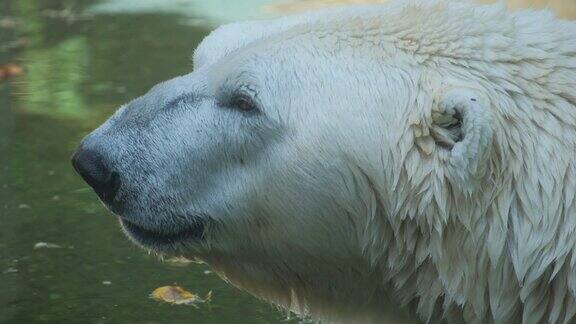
<point>193,232</point>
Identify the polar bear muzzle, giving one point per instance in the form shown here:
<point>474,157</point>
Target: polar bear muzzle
<point>97,170</point>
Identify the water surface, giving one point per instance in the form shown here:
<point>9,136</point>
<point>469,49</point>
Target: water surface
<point>78,70</point>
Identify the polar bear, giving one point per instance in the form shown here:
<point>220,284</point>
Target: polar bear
<point>348,161</point>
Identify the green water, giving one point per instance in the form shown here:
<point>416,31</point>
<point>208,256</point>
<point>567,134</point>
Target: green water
<point>77,71</point>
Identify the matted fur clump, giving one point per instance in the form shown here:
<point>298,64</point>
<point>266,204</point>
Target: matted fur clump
<point>345,162</point>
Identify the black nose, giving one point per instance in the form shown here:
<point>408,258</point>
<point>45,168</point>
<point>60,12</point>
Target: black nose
<point>92,166</point>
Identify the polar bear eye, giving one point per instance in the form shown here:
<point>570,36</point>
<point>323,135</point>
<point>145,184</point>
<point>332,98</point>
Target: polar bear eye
<point>243,103</point>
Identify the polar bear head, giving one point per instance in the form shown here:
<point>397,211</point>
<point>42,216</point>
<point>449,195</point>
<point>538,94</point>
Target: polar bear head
<point>329,160</point>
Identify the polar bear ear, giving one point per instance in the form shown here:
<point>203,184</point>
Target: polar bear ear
<point>461,124</point>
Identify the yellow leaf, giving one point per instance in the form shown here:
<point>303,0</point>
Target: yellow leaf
<point>177,296</point>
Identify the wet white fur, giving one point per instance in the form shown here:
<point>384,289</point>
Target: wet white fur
<point>356,193</point>
<point>485,232</point>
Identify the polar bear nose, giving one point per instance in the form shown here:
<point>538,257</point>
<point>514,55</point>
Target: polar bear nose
<point>92,167</point>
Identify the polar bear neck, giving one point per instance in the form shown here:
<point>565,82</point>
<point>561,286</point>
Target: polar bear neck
<point>496,253</point>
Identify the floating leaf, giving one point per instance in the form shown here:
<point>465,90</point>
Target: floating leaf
<point>10,70</point>
<point>178,261</point>
<point>178,296</point>
<point>46,245</point>
<point>8,22</point>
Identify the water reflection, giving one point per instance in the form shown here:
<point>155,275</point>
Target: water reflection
<point>54,75</point>
<point>223,11</point>
<point>562,8</point>
<point>212,12</point>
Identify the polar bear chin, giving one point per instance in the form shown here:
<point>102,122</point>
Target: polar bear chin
<point>333,294</point>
